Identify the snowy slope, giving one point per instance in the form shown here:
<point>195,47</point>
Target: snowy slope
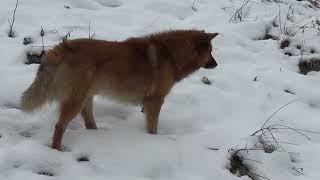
<point>199,123</point>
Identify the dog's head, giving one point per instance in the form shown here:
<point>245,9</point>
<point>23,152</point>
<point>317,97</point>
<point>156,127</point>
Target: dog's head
<point>203,48</point>
<point>188,50</point>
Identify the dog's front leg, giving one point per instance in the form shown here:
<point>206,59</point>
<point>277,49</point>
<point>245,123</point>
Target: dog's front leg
<point>152,106</point>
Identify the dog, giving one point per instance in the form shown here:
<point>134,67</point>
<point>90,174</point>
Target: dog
<point>138,70</point>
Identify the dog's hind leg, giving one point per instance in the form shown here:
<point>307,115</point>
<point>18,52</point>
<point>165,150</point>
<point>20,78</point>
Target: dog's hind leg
<point>87,114</point>
<point>75,94</point>
<point>152,106</point>
<point>69,108</point>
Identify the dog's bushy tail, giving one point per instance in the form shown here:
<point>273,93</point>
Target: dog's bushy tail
<point>42,88</point>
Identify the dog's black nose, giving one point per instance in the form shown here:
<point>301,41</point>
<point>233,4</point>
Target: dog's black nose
<point>211,64</point>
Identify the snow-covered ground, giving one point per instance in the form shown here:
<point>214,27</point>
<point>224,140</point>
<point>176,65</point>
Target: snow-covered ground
<point>199,123</point>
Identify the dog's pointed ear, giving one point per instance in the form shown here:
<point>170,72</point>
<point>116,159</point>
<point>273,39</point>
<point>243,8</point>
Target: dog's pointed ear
<point>203,41</point>
<point>212,35</point>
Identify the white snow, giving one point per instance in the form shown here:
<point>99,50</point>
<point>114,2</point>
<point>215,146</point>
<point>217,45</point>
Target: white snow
<point>195,116</point>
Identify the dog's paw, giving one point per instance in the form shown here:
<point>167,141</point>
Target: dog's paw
<point>152,131</point>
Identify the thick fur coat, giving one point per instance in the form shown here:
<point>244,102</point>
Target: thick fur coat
<point>139,70</point>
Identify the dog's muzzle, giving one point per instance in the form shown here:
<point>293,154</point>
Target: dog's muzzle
<point>211,64</point>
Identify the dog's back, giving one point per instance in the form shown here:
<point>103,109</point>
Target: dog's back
<point>114,69</point>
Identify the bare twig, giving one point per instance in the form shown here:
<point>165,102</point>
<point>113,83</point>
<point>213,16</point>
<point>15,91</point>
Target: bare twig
<point>238,15</point>
<point>11,32</point>
<point>293,129</point>
<point>266,134</point>
<point>302,130</point>
<point>279,16</point>
<point>245,149</point>
<point>241,14</point>
<point>278,111</point>
<point>91,36</point>
<point>68,34</point>
<point>302,46</point>
<point>298,170</point>
<point>254,174</point>
<point>89,30</point>
<point>41,46</point>
<point>247,12</point>
<point>193,5</point>
<point>42,34</point>
<point>274,138</point>
<point>282,142</point>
